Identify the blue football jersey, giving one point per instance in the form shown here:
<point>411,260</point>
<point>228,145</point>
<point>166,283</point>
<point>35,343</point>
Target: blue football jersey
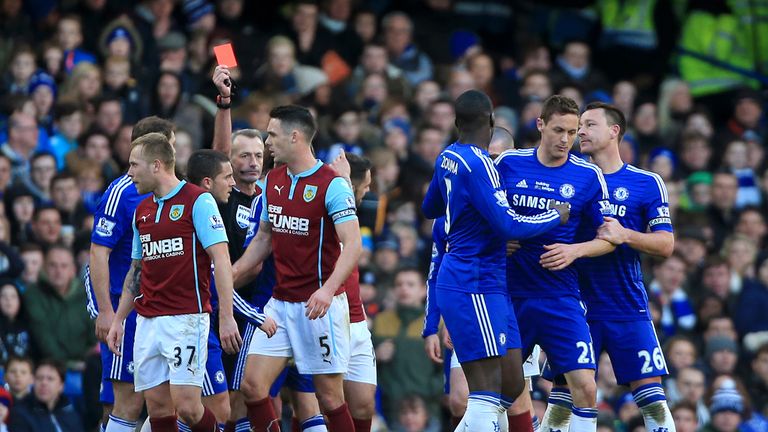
<point>612,284</point>
<point>530,186</point>
<point>267,278</point>
<point>113,228</point>
<point>439,246</point>
<point>468,190</point>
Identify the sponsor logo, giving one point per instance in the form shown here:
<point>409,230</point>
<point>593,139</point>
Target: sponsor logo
<point>534,202</point>
<point>285,224</point>
<point>165,248</point>
<point>279,189</point>
<point>522,184</point>
<point>350,202</point>
<point>176,212</point>
<point>104,227</point>
<point>144,218</point>
<point>618,210</point>
<point>543,186</point>
<point>216,222</point>
<point>144,238</point>
<point>567,190</point>
<point>310,192</point>
<point>621,193</point>
<point>663,211</point>
<point>274,209</point>
<point>241,216</point>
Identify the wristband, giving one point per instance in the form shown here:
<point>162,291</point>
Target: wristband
<point>221,104</point>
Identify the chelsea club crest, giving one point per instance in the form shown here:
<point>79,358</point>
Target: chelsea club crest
<point>176,212</point>
<point>309,193</point>
<point>567,190</point>
<point>621,193</point>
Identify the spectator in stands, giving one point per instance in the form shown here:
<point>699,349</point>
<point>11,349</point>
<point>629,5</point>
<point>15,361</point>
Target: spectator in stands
<point>722,354</point>
<point>19,376</point>
<point>5,175</point>
<point>722,212</point>
<point>14,324</point>
<point>283,74</point>
<point>413,416</point>
<point>749,310</point>
<point>46,409</point>
<point>119,83</point>
<point>42,169</point>
<point>22,67</point>
<point>312,41</point>
<point>690,386</point>
<point>60,324</point>
<point>69,35</point>
<point>695,153</point>
<point>741,253</point>
<point>675,103</point>
<point>21,144</point>
<point>403,369</point>
<point>83,85</point>
<point>168,102</point>
<point>736,160</point>
<point>375,59</point>
<point>68,125</point>
<point>573,66</point>
<point>685,417</point>
<point>33,258</point>
<point>95,150</point>
<point>677,311</point>
<point>42,92</point>
<point>109,115</point>
<point>65,195</point>
<point>398,38</point>
<point>46,226</point>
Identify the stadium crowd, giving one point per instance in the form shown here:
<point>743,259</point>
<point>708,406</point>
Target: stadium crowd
<point>381,78</point>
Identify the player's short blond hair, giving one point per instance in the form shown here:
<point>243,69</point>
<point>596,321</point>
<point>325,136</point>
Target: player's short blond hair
<point>155,146</point>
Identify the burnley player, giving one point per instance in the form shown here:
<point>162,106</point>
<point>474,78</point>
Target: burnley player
<point>110,259</point>
<point>612,285</point>
<point>467,189</point>
<point>542,283</point>
<point>178,233</point>
<point>212,171</point>
<point>360,379</point>
<point>309,224</point>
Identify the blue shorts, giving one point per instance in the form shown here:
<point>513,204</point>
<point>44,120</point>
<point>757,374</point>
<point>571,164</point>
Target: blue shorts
<point>633,348</point>
<point>214,381</point>
<point>291,377</point>
<point>235,376</point>
<point>118,367</point>
<point>481,325</point>
<point>559,326</point>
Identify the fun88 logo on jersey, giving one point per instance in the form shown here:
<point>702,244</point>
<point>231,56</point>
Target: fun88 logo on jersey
<point>165,248</point>
<point>286,224</point>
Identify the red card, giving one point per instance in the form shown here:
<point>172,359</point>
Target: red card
<point>225,56</point>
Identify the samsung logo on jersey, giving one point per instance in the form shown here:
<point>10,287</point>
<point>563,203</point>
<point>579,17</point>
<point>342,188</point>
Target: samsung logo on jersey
<point>289,224</point>
<point>535,202</point>
<point>450,165</point>
<point>618,210</point>
<point>164,248</point>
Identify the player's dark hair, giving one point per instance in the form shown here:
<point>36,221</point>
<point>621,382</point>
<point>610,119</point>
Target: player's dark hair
<point>204,163</point>
<point>155,146</point>
<point>358,166</point>
<point>153,124</point>
<point>560,105</point>
<point>474,111</point>
<point>613,115</point>
<point>294,117</point>
<point>56,365</point>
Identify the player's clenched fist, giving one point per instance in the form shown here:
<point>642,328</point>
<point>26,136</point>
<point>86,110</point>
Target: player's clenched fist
<point>220,75</point>
<point>114,337</point>
<point>269,326</point>
<point>229,334</point>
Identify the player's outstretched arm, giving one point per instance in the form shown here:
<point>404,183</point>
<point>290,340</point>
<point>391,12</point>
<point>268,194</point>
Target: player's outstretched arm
<point>228,331</point>
<point>490,200</point>
<point>130,292</point>
<point>222,126</point>
<point>561,255</point>
<point>253,315</point>
<point>99,273</point>
<point>349,236</point>
<point>249,265</point>
<point>658,243</point>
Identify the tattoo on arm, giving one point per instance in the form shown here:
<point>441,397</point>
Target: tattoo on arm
<point>133,279</point>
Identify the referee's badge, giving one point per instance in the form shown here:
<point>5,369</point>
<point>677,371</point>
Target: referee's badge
<point>176,212</point>
<point>310,192</point>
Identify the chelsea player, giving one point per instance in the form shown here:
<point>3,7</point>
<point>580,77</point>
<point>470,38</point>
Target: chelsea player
<point>542,283</point>
<point>467,189</point>
<point>612,285</point>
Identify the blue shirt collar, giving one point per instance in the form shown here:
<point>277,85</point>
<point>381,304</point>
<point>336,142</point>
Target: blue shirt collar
<point>307,173</point>
<point>172,193</point>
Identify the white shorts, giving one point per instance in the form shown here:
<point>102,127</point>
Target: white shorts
<point>319,346</point>
<point>170,348</point>
<point>362,359</point>
<point>530,366</point>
